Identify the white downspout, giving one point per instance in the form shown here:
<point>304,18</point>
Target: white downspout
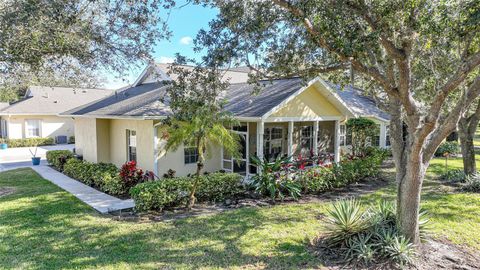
<point>155,148</point>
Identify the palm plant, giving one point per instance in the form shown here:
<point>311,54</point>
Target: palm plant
<point>198,117</point>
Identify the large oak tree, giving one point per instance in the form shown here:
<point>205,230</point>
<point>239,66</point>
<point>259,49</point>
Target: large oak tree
<point>396,46</point>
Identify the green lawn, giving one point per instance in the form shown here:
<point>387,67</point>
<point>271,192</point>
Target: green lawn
<point>42,226</point>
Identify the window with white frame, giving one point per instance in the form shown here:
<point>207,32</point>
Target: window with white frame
<point>307,137</point>
<point>131,145</point>
<point>190,154</point>
<point>376,137</point>
<point>387,135</point>
<point>343,135</point>
<point>272,142</point>
<point>32,128</point>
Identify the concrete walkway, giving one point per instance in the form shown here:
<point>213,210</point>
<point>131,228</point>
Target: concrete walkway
<point>100,201</point>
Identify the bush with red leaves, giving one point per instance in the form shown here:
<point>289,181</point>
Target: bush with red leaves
<point>131,175</point>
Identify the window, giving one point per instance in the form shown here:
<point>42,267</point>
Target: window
<point>190,155</point>
<point>343,134</point>
<point>387,135</point>
<point>272,142</point>
<point>376,138</point>
<point>307,137</point>
<point>131,145</point>
<point>32,128</point>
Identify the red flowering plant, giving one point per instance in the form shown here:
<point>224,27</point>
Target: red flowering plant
<point>131,175</point>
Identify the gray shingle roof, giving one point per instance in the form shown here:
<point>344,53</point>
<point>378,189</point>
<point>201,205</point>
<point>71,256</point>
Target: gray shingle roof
<point>144,101</point>
<point>140,101</point>
<point>53,100</point>
<point>359,104</point>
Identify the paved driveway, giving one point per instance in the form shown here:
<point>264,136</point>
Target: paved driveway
<point>21,154</point>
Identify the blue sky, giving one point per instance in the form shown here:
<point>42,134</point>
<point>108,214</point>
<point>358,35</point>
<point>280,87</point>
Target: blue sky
<point>184,23</point>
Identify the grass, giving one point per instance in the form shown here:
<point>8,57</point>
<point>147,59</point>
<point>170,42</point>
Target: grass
<point>44,227</point>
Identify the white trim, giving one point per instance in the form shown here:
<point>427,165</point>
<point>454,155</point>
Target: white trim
<point>337,141</point>
<point>40,123</point>
<point>290,138</point>
<point>155,148</point>
<point>315,138</point>
<point>331,92</point>
<point>260,132</point>
<point>302,119</point>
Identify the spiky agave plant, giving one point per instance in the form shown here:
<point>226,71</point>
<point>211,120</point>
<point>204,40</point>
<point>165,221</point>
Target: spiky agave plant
<point>346,218</point>
<point>400,251</point>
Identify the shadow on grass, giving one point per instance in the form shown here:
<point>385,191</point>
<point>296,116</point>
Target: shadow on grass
<point>48,228</point>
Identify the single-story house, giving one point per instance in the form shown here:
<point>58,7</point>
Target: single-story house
<point>287,117</point>
<point>36,114</point>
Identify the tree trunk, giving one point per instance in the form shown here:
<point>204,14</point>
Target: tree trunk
<point>198,174</point>
<point>410,179</point>
<point>466,135</point>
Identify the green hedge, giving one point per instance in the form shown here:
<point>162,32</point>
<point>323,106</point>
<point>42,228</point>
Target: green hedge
<point>317,180</point>
<point>29,142</point>
<point>104,176</point>
<point>157,195</point>
<point>58,158</point>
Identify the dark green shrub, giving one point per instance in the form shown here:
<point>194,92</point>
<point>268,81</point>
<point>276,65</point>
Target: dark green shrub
<point>216,187</point>
<point>456,175</point>
<point>102,175</point>
<point>452,148</point>
<point>71,139</point>
<point>29,142</point>
<point>362,131</point>
<point>167,192</point>
<point>58,158</point>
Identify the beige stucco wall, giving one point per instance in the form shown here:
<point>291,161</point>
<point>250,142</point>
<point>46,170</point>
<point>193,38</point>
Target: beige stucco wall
<point>310,103</point>
<point>51,126</point>
<point>86,138</point>
<point>118,142</point>
<point>105,140</point>
<point>175,160</point>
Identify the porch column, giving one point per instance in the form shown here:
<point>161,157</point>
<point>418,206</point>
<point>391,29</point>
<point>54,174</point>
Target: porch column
<point>315,138</point>
<point>155,149</point>
<point>290,139</point>
<point>260,132</point>
<point>337,141</point>
<point>383,135</point>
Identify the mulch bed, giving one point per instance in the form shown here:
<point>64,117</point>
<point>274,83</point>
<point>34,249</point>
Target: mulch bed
<point>432,254</point>
<point>4,191</point>
<point>352,190</point>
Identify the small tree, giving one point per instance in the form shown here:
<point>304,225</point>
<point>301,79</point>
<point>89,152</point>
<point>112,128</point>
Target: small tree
<point>363,130</point>
<point>198,118</point>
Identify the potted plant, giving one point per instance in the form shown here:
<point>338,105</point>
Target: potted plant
<point>35,159</point>
<point>3,144</point>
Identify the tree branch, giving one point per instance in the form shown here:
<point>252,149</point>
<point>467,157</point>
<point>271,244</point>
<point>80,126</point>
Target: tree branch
<point>451,121</point>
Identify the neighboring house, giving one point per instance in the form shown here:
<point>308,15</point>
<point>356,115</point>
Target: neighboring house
<point>36,115</point>
<point>286,118</point>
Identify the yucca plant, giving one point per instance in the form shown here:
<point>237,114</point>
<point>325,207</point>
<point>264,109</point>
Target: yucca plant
<point>384,213</point>
<point>346,218</point>
<point>400,251</point>
<point>360,249</point>
<point>472,183</point>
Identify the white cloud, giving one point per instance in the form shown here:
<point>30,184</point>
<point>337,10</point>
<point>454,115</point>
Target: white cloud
<point>186,40</point>
<point>165,59</point>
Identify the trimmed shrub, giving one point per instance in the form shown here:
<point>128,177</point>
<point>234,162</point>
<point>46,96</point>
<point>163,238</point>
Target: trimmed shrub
<point>29,142</point>
<point>104,176</point>
<point>168,192</point>
<point>452,148</point>
<point>320,179</point>
<point>58,158</point>
<point>71,139</point>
